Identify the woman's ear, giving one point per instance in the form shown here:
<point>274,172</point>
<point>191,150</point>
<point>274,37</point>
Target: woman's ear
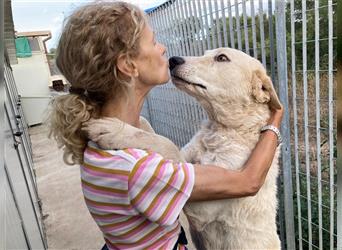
<point>126,66</point>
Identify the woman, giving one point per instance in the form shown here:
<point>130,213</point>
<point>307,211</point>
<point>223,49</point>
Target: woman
<point>109,54</point>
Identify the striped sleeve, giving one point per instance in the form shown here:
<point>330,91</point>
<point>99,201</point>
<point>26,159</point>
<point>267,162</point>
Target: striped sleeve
<point>159,188</point>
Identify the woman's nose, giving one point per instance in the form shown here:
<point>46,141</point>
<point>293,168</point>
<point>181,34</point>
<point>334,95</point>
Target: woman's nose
<point>174,61</point>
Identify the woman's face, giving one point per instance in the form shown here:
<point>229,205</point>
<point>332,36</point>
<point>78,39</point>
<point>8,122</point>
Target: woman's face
<point>151,63</point>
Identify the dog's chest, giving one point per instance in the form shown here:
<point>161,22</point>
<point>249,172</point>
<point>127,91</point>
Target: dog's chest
<point>225,148</point>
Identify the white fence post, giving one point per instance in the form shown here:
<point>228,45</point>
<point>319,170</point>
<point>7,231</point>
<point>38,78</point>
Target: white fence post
<point>285,127</point>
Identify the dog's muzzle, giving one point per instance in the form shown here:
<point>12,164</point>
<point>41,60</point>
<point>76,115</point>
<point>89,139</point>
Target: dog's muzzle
<point>175,61</point>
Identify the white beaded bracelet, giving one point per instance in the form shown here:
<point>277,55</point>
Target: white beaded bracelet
<point>275,130</point>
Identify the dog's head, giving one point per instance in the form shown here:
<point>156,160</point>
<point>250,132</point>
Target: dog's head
<point>223,76</point>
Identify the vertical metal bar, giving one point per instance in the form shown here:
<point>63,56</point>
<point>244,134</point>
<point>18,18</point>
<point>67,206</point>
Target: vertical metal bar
<point>271,38</point>
<point>170,28</point>
<point>238,28</point>
<point>176,45</point>
<point>255,50</point>
<point>167,34</point>
<point>159,29</point>
<point>318,126</point>
<point>160,26</point>
<point>202,20</point>
<point>152,22</point>
<point>331,123</point>
<point>245,26</point>
<point>339,195</point>
<point>205,14</point>
<point>285,126</point>
<point>223,13</point>
<point>213,36</point>
<point>295,121</point>
<point>175,21</point>
<point>200,16</point>
<point>195,40</point>
<point>231,25</point>
<point>282,216</point>
<point>189,25</point>
<point>198,19</point>
<point>185,31</point>
<point>188,33</point>
<point>3,235</point>
<point>306,123</point>
<point>262,32</point>
<point>218,26</point>
<point>180,26</point>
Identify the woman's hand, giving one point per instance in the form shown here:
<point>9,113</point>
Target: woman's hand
<point>276,117</point>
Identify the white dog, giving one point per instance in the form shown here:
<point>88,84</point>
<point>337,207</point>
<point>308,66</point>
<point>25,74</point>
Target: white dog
<point>235,91</point>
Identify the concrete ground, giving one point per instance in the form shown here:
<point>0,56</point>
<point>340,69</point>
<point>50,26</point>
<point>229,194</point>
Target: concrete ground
<point>68,224</point>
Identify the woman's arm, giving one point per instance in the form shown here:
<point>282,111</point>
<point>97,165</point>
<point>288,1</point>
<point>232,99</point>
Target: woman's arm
<point>212,182</point>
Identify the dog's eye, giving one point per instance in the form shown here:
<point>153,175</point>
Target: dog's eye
<point>222,58</point>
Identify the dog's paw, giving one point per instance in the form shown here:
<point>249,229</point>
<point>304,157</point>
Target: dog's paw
<point>97,130</point>
<point>105,141</point>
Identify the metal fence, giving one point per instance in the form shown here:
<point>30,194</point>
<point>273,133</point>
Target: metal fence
<point>295,41</point>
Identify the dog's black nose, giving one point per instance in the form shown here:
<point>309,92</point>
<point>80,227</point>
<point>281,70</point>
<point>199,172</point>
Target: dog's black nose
<point>174,61</point>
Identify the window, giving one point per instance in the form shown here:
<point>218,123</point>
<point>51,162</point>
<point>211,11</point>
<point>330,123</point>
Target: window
<point>34,44</point>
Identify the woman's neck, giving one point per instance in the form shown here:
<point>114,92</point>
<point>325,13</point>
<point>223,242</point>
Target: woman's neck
<point>127,108</point>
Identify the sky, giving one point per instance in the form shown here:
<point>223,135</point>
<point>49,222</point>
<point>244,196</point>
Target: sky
<point>34,15</point>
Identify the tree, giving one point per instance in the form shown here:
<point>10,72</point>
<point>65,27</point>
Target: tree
<point>52,51</point>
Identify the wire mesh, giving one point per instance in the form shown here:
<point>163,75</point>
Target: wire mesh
<point>189,27</point>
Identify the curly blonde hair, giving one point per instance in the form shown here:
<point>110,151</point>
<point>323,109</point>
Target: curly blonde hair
<point>93,38</point>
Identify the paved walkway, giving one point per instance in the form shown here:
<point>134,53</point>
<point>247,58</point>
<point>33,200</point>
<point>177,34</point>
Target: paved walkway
<point>67,221</point>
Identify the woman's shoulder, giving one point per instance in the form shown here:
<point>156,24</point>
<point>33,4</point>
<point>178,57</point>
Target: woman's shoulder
<point>131,155</point>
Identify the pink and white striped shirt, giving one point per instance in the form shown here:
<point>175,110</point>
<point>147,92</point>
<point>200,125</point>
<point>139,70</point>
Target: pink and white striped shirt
<point>135,196</point>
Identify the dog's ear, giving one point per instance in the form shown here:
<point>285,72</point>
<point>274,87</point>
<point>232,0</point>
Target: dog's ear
<point>263,91</point>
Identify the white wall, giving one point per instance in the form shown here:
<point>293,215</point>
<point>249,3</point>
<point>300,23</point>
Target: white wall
<point>31,75</point>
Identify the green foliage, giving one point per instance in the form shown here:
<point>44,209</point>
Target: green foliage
<point>195,35</point>
<point>266,26</point>
<point>52,51</point>
<point>311,29</point>
<point>52,54</point>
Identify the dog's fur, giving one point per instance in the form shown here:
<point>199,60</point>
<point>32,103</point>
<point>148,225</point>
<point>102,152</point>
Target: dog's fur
<point>235,93</point>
